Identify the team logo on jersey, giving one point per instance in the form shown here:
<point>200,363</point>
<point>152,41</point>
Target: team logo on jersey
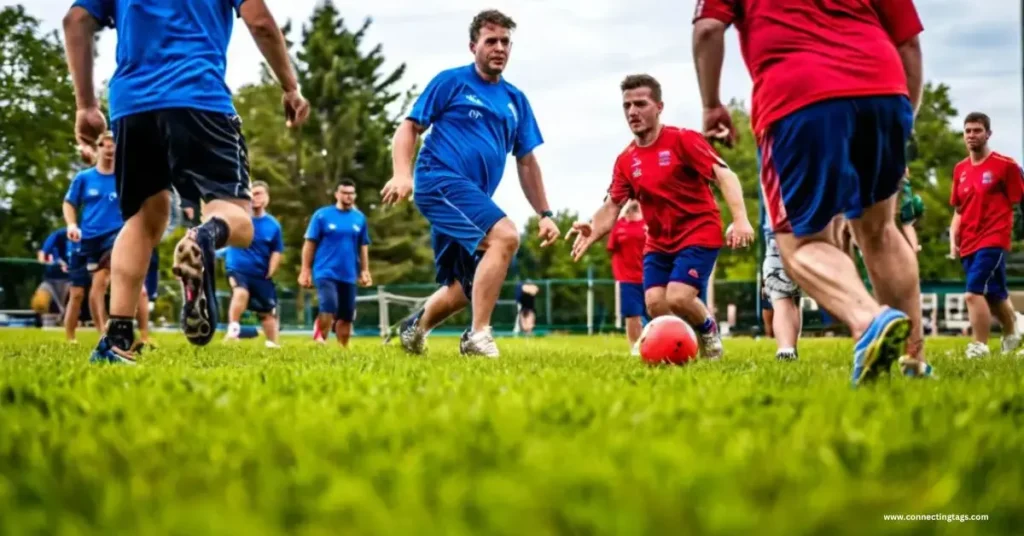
<point>515,114</point>
<point>664,158</point>
<point>355,227</point>
<point>93,192</point>
<point>963,176</point>
<point>475,114</point>
<point>331,226</point>
<point>986,178</point>
<point>694,273</point>
<point>112,196</point>
<point>637,167</point>
<point>475,100</point>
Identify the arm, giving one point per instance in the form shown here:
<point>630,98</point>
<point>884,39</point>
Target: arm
<point>913,67</point>
<point>604,219</point>
<point>364,258</point>
<point>270,41</point>
<point>308,252</point>
<point>80,28</point>
<point>71,219</point>
<point>403,148</point>
<point>902,23</point>
<point>708,55</point>
<point>275,262</point>
<point>954,235</point>
<point>729,185</point>
<point>532,182</point>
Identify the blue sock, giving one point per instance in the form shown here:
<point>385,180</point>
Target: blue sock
<point>707,327</point>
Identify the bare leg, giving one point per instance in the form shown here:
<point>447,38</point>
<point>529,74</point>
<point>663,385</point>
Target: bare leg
<point>634,327</point>
<point>143,316</point>
<point>236,214</point>
<point>499,245</point>
<point>74,310</point>
<point>270,327</point>
<point>1003,310</point>
<point>445,302</point>
<point>239,301</point>
<point>325,321</point>
<point>129,261</point>
<point>657,304</point>
<point>343,330</point>
<point>786,323</point>
<point>768,319</point>
<point>684,301</point>
<point>980,316</point>
<point>98,299</point>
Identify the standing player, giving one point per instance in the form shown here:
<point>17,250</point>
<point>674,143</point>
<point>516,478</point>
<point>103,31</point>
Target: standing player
<point>526,297</point>
<point>54,288</point>
<point>175,124</point>
<point>783,296</point>
<point>986,186</point>
<point>478,119</point>
<point>626,246</point>
<point>251,270</point>
<point>335,256</point>
<point>835,93</point>
<point>669,171</point>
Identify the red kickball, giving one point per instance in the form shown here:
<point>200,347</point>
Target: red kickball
<point>668,339</point>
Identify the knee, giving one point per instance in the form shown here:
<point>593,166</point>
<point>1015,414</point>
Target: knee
<point>680,295</point>
<point>240,294</point>
<point>656,305</point>
<point>975,300</point>
<point>504,237</point>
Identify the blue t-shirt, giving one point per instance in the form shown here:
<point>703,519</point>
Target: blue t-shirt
<point>57,246</point>
<point>94,195</point>
<point>475,124</point>
<point>170,53</point>
<point>254,260</point>
<point>339,235</point>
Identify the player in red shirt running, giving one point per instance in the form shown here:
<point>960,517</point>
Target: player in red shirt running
<point>626,245</point>
<point>835,93</point>
<point>669,171</point>
<point>986,186</point>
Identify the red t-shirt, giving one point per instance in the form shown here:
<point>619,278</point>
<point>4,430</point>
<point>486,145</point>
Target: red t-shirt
<point>802,52</point>
<point>670,178</point>
<point>984,195</point>
<point>626,244</point>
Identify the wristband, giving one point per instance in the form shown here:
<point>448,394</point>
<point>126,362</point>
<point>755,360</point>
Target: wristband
<point>547,214</point>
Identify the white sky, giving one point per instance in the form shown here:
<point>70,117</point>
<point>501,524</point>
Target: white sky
<point>569,56</point>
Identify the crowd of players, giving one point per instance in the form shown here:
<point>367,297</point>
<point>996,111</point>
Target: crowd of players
<point>832,112</point>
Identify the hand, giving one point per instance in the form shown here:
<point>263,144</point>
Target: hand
<point>365,279</point>
<point>74,233</point>
<point>63,267</point>
<point>89,126</point>
<point>953,254</point>
<point>718,125</point>
<point>305,279</point>
<point>396,189</point>
<point>296,108</point>
<point>548,232</point>
<point>584,238</point>
<point>739,235</point>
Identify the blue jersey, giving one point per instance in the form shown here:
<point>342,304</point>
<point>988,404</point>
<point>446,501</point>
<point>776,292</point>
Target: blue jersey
<point>255,260</point>
<point>475,124</point>
<point>170,53</point>
<point>339,235</point>
<point>56,246</point>
<point>94,195</point>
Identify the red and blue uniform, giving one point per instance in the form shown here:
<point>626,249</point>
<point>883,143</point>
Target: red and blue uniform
<point>626,245</point>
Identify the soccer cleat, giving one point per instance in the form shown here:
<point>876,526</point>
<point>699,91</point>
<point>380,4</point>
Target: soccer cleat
<point>711,343</point>
<point>786,355</point>
<point>194,267</point>
<point>478,343</point>
<point>882,343</point>
<point>106,352</point>
<point>1010,343</point>
<point>413,339</point>
<point>977,350</point>
<point>915,368</point>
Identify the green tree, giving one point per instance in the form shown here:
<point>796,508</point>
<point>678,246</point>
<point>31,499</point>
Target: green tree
<point>741,264</point>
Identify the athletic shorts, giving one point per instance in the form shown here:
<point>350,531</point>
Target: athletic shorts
<point>631,300</point>
<point>337,298</point>
<point>691,266</point>
<point>837,156</point>
<point>77,272</point>
<point>460,216</point>
<point>96,251</point>
<point>776,281</point>
<point>262,292</point>
<point>153,276</point>
<point>986,273</point>
<point>201,154</point>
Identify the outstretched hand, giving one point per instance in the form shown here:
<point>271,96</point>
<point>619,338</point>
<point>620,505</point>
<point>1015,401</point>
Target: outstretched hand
<point>584,232</point>
<point>548,231</point>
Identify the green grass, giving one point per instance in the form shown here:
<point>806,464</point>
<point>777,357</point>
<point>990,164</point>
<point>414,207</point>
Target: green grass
<point>560,435</point>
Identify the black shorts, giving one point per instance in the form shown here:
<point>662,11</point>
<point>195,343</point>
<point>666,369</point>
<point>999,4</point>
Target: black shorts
<point>202,154</point>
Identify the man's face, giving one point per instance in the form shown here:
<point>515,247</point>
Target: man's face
<point>975,136</point>
<point>640,109</point>
<point>107,149</point>
<point>260,197</point>
<point>491,49</point>
<point>346,195</point>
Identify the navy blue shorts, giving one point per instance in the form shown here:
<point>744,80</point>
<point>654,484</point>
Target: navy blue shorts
<point>153,275</point>
<point>986,273</point>
<point>691,266</point>
<point>460,215</point>
<point>337,298</point>
<point>77,272</point>
<point>96,251</point>
<point>631,300</point>
<point>262,292</point>
<point>833,157</point>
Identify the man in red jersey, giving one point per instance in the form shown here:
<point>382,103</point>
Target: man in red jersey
<point>986,186</point>
<point>669,171</point>
<point>626,245</point>
<point>835,93</point>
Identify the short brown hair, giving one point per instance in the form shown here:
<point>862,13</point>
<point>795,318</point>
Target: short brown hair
<point>490,16</point>
<point>636,81</point>
<point>107,135</point>
<point>978,117</point>
<point>260,184</point>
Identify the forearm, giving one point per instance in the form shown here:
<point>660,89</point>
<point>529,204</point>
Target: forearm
<point>913,67</point>
<point>364,258</point>
<point>732,192</point>
<point>270,41</point>
<point>403,149</point>
<point>708,55</point>
<point>70,214</point>
<point>532,182</point>
<point>41,257</point>
<point>275,263</point>
<point>954,232</point>
<point>604,219</point>
<point>79,29</point>
<point>308,252</point>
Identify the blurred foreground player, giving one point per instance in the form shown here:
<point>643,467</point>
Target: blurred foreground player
<point>626,246</point>
<point>835,93</point>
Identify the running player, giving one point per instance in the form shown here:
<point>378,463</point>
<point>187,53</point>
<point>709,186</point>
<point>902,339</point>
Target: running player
<point>626,246</point>
<point>783,296</point>
<point>669,170</point>
<point>336,256</point>
<point>526,298</point>
<point>986,186</point>
<point>835,93</point>
<point>170,104</point>
<point>477,120</point>
<point>251,270</point>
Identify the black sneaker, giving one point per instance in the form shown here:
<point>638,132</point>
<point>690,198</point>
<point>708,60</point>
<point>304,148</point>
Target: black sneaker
<point>194,267</point>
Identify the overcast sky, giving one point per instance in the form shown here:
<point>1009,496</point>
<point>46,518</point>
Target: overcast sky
<point>569,55</point>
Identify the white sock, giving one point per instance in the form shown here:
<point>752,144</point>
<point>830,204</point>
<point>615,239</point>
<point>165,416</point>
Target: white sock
<point>234,329</point>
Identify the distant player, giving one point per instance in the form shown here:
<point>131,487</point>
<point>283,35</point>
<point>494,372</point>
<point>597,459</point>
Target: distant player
<point>670,171</point>
<point>986,186</point>
<point>836,88</point>
<point>626,246</point>
<point>335,257</point>
<point>251,270</point>
<point>783,296</point>
<point>526,297</point>
<point>53,291</point>
<point>176,125</point>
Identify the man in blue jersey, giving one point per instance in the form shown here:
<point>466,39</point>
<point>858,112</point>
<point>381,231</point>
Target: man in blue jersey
<point>175,125</point>
<point>53,291</point>
<point>477,119</point>
<point>251,270</point>
<point>336,256</point>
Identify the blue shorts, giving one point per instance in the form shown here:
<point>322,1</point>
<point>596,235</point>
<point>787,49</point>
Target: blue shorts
<point>337,298</point>
<point>153,275</point>
<point>262,292</point>
<point>460,216</point>
<point>691,266</point>
<point>986,273</point>
<point>833,157</point>
<point>77,272</point>
<point>97,250</point>
<point>631,300</point>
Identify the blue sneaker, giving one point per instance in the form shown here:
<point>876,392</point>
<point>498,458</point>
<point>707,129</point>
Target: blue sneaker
<point>105,352</point>
<point>194,258</point>
<point>883,343</point>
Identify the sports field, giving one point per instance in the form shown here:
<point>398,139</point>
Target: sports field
<point>560,436</point>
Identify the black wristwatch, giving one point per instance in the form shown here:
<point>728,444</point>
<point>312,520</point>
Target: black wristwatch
<point>547,214</point>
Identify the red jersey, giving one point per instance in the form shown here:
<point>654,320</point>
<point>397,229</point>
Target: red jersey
<point>626,244</point>
<point>800,52</point>
<point>984,195</point>
<point>670,178</point>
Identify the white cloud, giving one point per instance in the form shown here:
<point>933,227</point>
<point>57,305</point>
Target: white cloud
<point>569,60</point>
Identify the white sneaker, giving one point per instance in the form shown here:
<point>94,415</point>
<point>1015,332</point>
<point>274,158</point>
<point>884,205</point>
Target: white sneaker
<point>1010,343</point>
<point>234,330</point>
<point>635,350</point>
<point>478,343</point>
<point>271,344</point>
<point>977,350</point>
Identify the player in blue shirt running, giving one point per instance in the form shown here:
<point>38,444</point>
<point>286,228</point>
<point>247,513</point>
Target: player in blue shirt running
<point>335,257</point>
<point>476,119</point>
<point>175,124</point>
<point>251,270</point>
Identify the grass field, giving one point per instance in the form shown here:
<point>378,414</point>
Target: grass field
<point>559,436</point>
